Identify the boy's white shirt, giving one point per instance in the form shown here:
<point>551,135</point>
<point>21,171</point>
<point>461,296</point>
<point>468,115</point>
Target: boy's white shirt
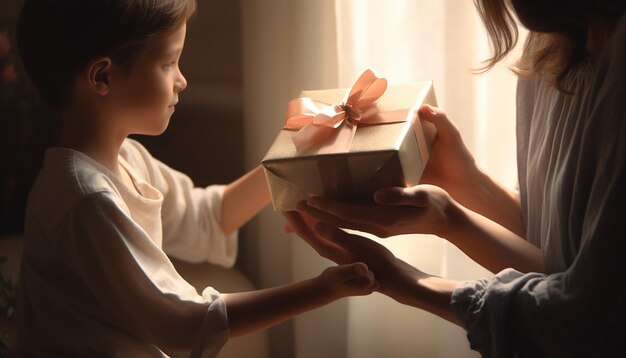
<point>95,277</point>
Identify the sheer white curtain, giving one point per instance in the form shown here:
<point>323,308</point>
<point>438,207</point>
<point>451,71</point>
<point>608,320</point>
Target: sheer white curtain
<point>300,44</point>
<point>411,40</point>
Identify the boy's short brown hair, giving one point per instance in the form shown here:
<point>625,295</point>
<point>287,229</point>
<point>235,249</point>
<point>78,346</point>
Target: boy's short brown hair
<point>57,38</point>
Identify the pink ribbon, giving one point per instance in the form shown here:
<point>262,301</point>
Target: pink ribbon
<point>331,128</point>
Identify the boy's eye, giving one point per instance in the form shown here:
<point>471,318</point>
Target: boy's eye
<point>170,64</point>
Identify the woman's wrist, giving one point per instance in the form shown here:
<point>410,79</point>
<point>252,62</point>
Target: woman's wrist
<point>413,287</point>
<point>484,196</point>
<point>465,188</point>
<point>436,295</point>
<point>456,221</point>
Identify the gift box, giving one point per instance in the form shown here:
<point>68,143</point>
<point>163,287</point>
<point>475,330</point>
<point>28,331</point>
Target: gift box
<point>346,144</point>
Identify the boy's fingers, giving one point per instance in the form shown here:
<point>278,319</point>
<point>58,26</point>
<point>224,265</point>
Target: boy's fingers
<point>368,281</point>
<point>355,270</point>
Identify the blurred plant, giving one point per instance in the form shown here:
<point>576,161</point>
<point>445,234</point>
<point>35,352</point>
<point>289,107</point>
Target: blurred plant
<point>8,295</point>
<point>8,302</point>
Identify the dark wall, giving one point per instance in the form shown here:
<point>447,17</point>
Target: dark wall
<point>26,126</point>
<point>205,137</point>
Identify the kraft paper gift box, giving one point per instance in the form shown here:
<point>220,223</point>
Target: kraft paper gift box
<point>346,144</point>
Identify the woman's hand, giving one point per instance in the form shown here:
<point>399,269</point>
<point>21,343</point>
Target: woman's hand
<point>429,209</point>
<point>343,248</point>
<point>453,183</point>
<point>451,166</point>
<point>396,278</point>
<point>423,209</point>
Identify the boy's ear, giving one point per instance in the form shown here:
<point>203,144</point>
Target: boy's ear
<point>99,75</point>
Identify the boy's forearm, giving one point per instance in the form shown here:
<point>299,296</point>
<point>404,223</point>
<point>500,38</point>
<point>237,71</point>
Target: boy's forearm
<point>488,198</point>
<point>243,199</point>
<point>256,310</point>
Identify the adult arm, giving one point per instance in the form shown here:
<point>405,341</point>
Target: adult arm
<point>452,167</point>
<point>430,210</point>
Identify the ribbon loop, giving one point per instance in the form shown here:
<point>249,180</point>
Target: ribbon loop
<point>331,128</point>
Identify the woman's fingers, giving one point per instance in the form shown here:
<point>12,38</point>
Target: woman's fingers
<point>297,223</point>
<point>338,214</point>
<point>350,212</point>
<point>323,247</point>
<point>413,196</point>
<point>376,256</point>
<point>287,228</point>
<point>445,127</point>
<point>358,245</point>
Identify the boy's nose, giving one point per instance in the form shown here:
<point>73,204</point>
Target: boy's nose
<point>181,83</point>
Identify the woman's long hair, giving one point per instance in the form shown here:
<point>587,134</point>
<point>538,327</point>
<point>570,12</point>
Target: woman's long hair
<point>558,33</point>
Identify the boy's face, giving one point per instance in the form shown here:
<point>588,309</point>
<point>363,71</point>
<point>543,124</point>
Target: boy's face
<point>144,98</point>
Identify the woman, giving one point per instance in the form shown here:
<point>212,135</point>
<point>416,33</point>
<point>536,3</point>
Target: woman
<point>558,246</point>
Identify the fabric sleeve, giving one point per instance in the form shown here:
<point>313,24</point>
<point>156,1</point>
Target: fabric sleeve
<point>190,215</point>
<point>135,285</point>
<point>582,311</point>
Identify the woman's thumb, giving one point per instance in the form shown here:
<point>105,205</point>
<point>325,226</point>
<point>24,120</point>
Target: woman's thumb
<point>412,196</point>
<point>438,118</point>
<point>388,196</point>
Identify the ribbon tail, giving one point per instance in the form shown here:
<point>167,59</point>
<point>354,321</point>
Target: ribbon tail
<point>341,141</point>
<point>311,137</point>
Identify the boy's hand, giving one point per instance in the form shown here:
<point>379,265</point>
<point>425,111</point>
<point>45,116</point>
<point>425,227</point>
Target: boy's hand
<point>348,280</point>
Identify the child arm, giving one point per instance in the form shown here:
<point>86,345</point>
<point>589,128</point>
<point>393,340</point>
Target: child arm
<point>256,310</point>
<point>243,199</point>
<point>136,288</point>
<point>192,216</point>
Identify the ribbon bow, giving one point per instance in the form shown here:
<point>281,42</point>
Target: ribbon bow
<point>331,128</point>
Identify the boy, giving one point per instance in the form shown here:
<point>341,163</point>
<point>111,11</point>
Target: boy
<point>103,213</point>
